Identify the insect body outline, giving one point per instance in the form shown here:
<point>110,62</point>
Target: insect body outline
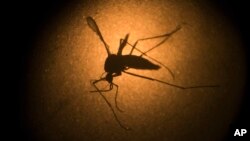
<point>116,64</point>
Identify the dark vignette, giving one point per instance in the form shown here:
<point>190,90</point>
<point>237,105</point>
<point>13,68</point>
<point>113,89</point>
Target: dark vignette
<point>25,19</point>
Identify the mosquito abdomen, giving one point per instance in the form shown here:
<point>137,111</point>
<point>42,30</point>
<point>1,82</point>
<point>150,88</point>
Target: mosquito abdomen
<point>138,62</point>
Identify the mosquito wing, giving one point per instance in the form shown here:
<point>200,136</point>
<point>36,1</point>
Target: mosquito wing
<point>92,24</point>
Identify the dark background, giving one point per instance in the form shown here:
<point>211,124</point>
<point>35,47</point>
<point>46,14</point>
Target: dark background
<point>25,19</point>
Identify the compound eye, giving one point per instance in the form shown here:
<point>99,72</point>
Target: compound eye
<point>109,77</point>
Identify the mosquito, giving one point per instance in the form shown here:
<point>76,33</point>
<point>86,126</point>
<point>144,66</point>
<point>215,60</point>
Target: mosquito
<point>115,64</point>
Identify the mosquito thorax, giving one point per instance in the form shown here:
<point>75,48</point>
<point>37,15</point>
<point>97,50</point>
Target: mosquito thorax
<point>114,64</point>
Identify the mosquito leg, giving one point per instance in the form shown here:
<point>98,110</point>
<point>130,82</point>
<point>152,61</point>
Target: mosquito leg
<point>122,44</point>
<point>167,35</point>
<point>116,93</point>
<point>110,86</point>
<point>102,75</point>
<point>93,25</point>
<point>167,68</point>
<point>116,96</point>
<point>134,47</point>
<point>101,90</point>
<point>170,84</point>
<point>110,106</point>
<point>96,81</point>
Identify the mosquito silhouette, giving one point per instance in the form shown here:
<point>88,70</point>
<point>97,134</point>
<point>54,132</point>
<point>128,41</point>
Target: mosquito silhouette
<point>115,64</point>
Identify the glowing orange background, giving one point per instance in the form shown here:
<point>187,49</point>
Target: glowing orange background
<point>68,54</point>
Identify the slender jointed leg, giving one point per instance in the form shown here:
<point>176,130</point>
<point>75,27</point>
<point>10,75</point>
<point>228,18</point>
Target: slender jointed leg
<point>104,79</point>
<point>93,25</point>
<point>166,36</point>
<point>122,44</point>
<point>101,90</point>
<point>116,93</point>
<point>173,85</point>
<point>116,96</point>
<point>110,106</point>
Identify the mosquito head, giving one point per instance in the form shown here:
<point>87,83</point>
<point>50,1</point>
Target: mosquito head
<point>109,77</point>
